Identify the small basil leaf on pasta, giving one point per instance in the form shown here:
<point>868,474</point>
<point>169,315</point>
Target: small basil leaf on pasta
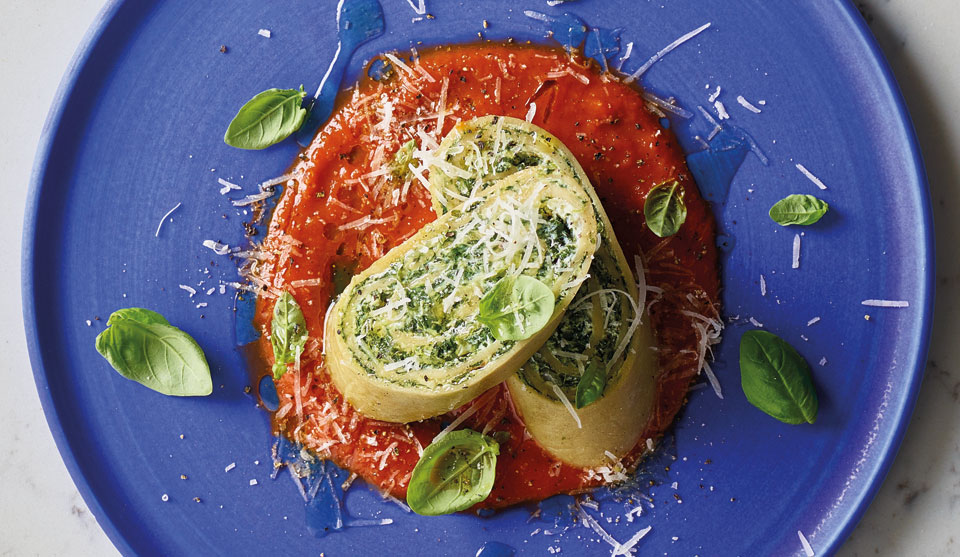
<point>517,307</point>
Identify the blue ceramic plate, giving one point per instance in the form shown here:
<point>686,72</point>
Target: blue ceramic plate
<point>137,127</point>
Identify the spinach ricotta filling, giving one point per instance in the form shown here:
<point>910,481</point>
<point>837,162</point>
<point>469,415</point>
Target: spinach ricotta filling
<point>591,331</point>
<point>410,323</point>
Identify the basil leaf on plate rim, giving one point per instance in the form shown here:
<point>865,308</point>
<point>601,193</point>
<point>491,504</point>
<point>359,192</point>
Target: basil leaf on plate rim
<point>517,307</point>
<point>664,209</point>
<point>591,386</point>
<point>776,379</point>
<point>144,347</point>
<point>801,209</point>
<point>288,333</point>
<point>454,473</point>
<point>268,118</point>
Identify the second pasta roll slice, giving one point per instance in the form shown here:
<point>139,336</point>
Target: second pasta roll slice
<point>587,394</point>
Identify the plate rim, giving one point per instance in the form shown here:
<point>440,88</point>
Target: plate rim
<point>66,90</point>
<point>927,288</point>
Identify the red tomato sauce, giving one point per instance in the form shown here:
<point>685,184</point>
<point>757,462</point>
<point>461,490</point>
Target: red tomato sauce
<point>338,216</point>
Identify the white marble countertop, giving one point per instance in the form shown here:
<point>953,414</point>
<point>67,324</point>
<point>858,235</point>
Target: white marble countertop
<point>917,511</point>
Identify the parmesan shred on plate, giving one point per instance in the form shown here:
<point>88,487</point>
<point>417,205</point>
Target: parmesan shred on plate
<point>164,219</point>
<point>796,252</point>
<point>886,303</point>
<point>747,104</point>
<point>811,177</point>
<point>807,549</point>
<point>664,51</point>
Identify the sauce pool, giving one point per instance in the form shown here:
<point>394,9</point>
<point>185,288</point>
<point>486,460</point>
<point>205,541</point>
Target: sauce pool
<point>343,212</point>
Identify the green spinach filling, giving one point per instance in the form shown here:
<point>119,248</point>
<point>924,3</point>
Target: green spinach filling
<point>591,331</point>
<point>419,314</point>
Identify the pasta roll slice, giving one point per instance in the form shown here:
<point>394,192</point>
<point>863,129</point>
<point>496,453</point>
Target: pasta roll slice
<point>404,341</point>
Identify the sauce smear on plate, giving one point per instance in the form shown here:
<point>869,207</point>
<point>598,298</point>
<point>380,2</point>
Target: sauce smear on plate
<point>350,203</point>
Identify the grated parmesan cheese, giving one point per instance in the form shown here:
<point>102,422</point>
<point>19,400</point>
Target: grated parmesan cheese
<point>747,104</point>
<point>796,252</point>
<point>227,186</point>
<point>420,8</point>
<point>566,404</point>
<point>715,95</point>
<point>721,110</point>
<point>217,247</point>
<point>886,303</point>
<point>627,546</point>
<point>666,104</point>
<point>806,545</point>
<point>625,56</point>
<point>663,52</point>
<point>590,522</point>
<point>164,219</point>
<point>810,176</point>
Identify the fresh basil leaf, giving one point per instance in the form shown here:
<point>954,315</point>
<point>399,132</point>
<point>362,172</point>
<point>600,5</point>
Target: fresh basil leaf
<point>776,378</point>
<point>664,209</point>
<point>454,473</point>
<point>798,209</point>
<point>517,307</point>
<point>267,118</point>
<point>288,333</point>
<point>591,386</point>
<point>143,346</point>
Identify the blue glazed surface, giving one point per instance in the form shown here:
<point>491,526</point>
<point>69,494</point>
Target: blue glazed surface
<point>137,128</point>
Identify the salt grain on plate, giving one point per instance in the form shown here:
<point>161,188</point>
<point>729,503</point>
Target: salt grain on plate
<point>264,33</point>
